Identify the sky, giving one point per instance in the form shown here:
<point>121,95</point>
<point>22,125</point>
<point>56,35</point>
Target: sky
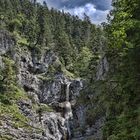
<point>97,10</point>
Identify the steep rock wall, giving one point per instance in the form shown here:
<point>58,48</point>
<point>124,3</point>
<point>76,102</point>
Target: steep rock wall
<point>44,88</point>
<point>47,106</point>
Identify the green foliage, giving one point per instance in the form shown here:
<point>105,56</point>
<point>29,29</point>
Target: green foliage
<point>76,42</point>
<point>44,108</point>
<point>6,137</point>
<point>9,108</point>
<point>8,76</point>
<point>39,28</point>
<point>83,61</point>
<point>13,112</point>
<point>14,25</point>
<point>121,93</point>
<point>22,41</point>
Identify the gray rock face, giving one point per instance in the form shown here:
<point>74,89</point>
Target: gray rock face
<point>44,125</point>
<point>47,92</point>
<point>65,118</point>
<point>81,129</point>
<point>6,42</point>
<point>102,69</point>
<point>1,63</point>
<point>54,126</point>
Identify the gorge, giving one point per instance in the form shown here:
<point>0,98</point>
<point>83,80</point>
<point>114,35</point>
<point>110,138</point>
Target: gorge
<point>63,78</point>
<point>49,105</point>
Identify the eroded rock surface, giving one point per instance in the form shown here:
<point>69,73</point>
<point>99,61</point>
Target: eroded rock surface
<point>49,122</point>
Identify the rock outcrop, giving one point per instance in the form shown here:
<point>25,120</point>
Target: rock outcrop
<point>50,106</point>
<point>46,91</point>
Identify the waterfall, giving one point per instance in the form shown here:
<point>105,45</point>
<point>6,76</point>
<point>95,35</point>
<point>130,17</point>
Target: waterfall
<point>67,91</point>
<point>68,110</point>
<point>69,132</point>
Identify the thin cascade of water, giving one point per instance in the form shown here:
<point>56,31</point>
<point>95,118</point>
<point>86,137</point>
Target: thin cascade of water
<point>68,114</point>
<point>67,91</point>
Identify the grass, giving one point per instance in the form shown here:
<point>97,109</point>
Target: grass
<point>44,108</point>
<point>12,113</point>
<point>9,109</point>
<point>58,65</point>
<point>6,137</point>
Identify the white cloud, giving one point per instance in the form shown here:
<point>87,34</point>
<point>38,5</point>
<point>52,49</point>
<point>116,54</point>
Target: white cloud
<point>96,16</point>
<point>40,1</point>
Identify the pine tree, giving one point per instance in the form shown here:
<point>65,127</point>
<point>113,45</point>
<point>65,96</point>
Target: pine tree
<point>123,53</point>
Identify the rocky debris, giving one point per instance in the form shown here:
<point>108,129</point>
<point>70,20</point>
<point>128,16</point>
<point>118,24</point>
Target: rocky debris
<point>54,126</point>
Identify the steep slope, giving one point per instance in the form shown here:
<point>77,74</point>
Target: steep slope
<point>50,64</point>
<point>33,92</point>
<point>31,106</point>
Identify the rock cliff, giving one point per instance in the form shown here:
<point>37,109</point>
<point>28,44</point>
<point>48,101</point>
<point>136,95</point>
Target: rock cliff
<point>50,106</point>
<point>45,91</point>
